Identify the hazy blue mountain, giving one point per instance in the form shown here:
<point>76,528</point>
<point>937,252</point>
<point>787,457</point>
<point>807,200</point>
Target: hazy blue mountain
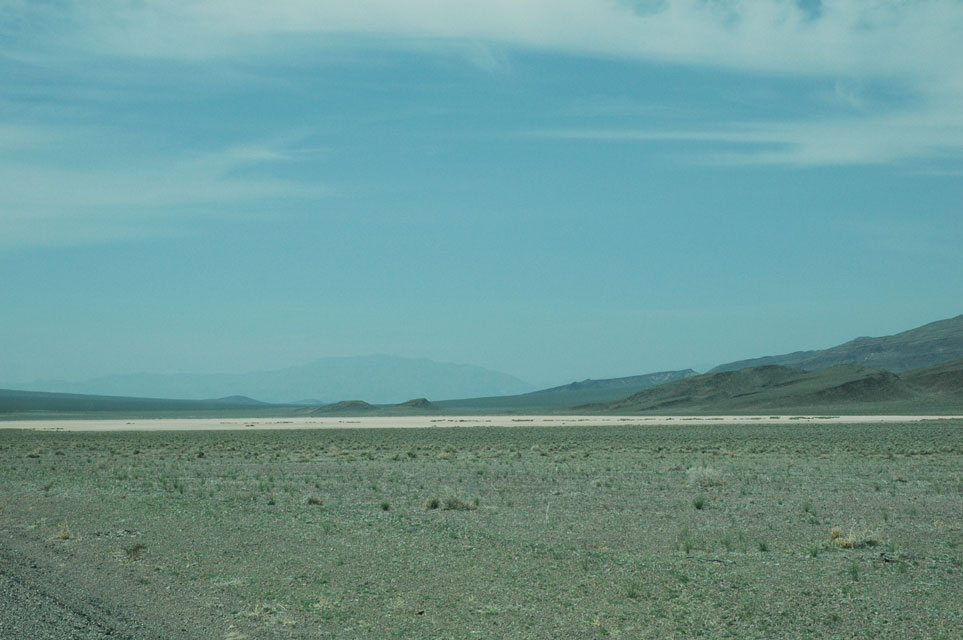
<point>378,379</point>
<point>931,344</point>
<point>39,402</point>
<point>569,395</point>
<point>637,383</point>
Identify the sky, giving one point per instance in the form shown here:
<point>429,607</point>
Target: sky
<point>556,189</point>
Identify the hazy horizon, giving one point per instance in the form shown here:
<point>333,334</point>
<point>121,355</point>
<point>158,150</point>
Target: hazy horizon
<point>552,190</point>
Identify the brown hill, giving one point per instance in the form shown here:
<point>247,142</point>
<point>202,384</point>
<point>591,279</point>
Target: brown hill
<point>931,344</point>
<point>418,404</point>
<point>840,389</point>
<point>943,378</point>
<point>345,407</point>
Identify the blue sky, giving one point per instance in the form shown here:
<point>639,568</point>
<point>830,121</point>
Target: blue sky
<point>555,189</point>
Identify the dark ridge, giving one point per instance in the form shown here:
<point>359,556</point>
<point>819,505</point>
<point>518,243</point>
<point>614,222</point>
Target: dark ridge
<point>16,401</point>
<point>236,400</point>
<point>564,397</point>
<point>942,378</point>
<point>630,382</point>
<point>847,388</point>
<point>345,407</point>
<point>422,404</point>
<point>932,344</point>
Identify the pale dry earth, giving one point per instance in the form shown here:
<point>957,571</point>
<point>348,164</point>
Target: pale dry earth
<point>420,422</point>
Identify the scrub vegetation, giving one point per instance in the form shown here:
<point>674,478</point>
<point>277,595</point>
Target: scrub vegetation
<point>715,531</point>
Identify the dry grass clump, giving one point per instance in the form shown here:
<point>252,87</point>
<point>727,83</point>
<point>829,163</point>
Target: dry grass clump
<point>451,503</point>
<point>133,553</point>
<point>448,453</point>
<point>704,476</point>
<point>852,539</point>
<point>271,614</point>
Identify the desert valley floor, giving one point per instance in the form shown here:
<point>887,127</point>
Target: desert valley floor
<point>629,527</point>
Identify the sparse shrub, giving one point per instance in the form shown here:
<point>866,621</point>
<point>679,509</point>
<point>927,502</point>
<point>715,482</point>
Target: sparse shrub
<point>704,476</point>
<point>686,541</point>
<point>63,533</point>
<point>453,503</point>
<point>432,503</point>
<point>385,505</point>
<point>271,613</point>
<point>699,503</point>
<point>132,554</point>
<point>854,572</point>
<point>448,453</point>
<point>316,501</point>
<point>851,540</point>
<point>727,543</point>
<point>633,590</point>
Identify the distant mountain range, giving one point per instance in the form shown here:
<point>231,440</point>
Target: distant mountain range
<point>569,395</point>
<point>843,388</point>
<point>33,402</point>
<point>378,379</point>
<point>631,382</point>
<point>416,407</point>
<point>916,371</point>
<point>931,344</point>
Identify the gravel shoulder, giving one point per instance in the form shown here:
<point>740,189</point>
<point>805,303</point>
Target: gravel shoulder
<point>44,599</point>
<point>29,610</point>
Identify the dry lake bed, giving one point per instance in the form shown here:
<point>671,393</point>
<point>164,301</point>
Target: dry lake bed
<point>559,527</point>
<point>428,421</point>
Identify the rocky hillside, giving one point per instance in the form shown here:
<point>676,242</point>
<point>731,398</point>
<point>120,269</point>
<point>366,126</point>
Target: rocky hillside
<point>925,346</point>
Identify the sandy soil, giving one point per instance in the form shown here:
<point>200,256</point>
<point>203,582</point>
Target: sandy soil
<point>420,422</point>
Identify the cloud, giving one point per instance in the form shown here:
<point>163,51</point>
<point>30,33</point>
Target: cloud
<point>44,205</point>
<point>782,36</point>
<point>878,139</point>
<point>849,43</point>
<point>845,36</point>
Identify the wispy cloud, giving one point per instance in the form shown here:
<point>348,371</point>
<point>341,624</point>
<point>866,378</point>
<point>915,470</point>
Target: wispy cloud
<point>845,36</point>
<point>43,204</point>
<point>876,138</point>
<point>848,42</point>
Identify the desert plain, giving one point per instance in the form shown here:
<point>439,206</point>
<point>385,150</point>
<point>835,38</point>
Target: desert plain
<point>517,527</point>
